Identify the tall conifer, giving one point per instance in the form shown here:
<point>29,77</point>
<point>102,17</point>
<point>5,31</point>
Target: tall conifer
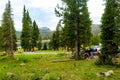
<point>1,42</point>
<point>56,38</point>
<point>77,23</point>
<point>35,35</point>
<point>8,30</point>
<point>108,33</point>
<point>26,31</point>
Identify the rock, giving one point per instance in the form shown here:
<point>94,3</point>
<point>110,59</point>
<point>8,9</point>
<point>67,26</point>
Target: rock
<point>4,54</point>
<point>99,74</point>
<point>22,64</point>
<point>118,55</point>
<point>17,59</point>
<point>96,57</point>
<point>10,74</point>
<point>108,73</point>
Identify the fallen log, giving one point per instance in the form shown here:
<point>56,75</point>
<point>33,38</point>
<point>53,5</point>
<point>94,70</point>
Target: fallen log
<point>62,60</point>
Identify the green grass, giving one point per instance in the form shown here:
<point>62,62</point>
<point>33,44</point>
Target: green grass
<point>41,67</point>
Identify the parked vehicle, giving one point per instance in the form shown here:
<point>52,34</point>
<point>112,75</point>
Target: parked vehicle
<point>118,51</point>
<point>90,52</point>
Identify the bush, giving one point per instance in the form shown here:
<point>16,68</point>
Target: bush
<point>61,54</point>
<point>45,46</point>
<point>35,49</point>
<point>20,50</point>
<point>52,76</point>
<point>24,58</point>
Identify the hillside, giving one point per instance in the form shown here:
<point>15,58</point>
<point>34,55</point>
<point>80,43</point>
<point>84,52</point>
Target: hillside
<point>18,34</point>
<point>45,32</point>
<point>95,28</point>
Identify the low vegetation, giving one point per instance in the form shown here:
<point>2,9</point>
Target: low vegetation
<point>52,67</point>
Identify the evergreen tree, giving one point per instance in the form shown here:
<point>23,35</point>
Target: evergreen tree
<point>23,43</point>
<point>95,40</point>
<point>117,21</point>
<point>8,30</point>
<point>39,45</point>
<point>56,41</point>
<point>77,22</point>
<point>26,31</point>
<point>35,35</point>
<point>1,42</point>
<point>108,33</point>
<point>45,46</point>
<point>86,26</point>
<point>68,37</point>
<point>29,35</point>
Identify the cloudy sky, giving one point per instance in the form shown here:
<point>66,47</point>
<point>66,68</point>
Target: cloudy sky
<point>42,11</point>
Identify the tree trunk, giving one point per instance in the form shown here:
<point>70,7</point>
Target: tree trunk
<point>10,53</point>
<point>77,43</point>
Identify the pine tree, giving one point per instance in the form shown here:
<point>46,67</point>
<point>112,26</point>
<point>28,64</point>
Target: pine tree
<point>56,41</point>
<point>35,35</point>
<point>14,37</point>
<point>68,37</point>
<point>39,45</point>
<point>108,33</point>
<point>95,40</point>
<point>86,26</point>
<point>1,42</point>
<point>26,31</point>
<point>77,23</point>
<point>23,43</point>
<point>45,46</point>
<point>117,21</point>
<point>8,30</point>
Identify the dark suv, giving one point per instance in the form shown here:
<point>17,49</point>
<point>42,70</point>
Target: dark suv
<point>91,52</point>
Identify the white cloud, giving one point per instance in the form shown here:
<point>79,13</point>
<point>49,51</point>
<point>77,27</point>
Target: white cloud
<point>96,10</point>
<point>17,6</point>
<point>46,6</point>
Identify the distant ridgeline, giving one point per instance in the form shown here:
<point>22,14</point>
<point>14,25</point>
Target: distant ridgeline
<point>95,29</point>
<point>45,32</point>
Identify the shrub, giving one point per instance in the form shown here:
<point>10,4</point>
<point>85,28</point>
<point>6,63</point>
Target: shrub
<point>61,54</point>
<point>20,50</point>
<point>45,46</point>
<point>35,49</point>
<point>24,58</point>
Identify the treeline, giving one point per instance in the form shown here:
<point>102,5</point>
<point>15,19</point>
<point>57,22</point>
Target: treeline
<point>30,37</point>
<point>30,33</point>
<point>74,32</point>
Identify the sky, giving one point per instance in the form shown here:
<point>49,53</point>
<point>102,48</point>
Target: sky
<point>42,11</point>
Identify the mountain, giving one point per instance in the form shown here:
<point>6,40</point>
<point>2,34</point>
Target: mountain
<point>95,28</point>
<point>18,34</point>
<point>45,32</point>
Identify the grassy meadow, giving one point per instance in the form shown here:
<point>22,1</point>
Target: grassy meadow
<point>52,67</point>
